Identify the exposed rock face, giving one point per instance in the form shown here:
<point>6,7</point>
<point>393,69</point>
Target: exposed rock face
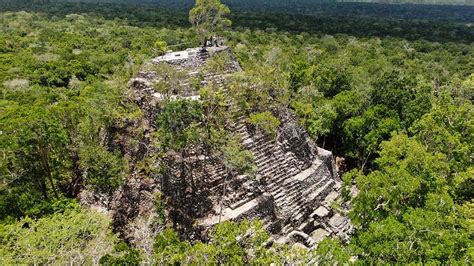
<point>134,199</point>
<point>294,188</point>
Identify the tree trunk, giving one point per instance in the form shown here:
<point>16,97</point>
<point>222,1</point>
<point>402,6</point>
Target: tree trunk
<point>43,188</point>
<point>46,168</point>
<point>223,194</point>
<point>74,186</point>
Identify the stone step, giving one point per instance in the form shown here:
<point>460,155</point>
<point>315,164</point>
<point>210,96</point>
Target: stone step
<point>289,205</point>
<point>278,178</point>
<point>261,145</point>
<point>287,228</point>
<point>299,216</point>
<point>264,160</point>
<point>325,192</point>
<point>286,199</point>
<point>280,195</point>
<point>292,185</point>
<point>274,170</point>
<point>257,139</point>
<point>279,163</point>
<point>243,132</point>
<point>269,162</point>
<point>261,149</point>
<point>315,186</point>
<point>269,170</point>
<point>278,190</point>
<point>229,214</point>
<point>279,183</point>
<point>322,192</point>
<point>240,203</point>
<point>276,187</point>
<point>293,201</point>
<point>293,205</point>
<point>289,194</point>
<point>282,168</point>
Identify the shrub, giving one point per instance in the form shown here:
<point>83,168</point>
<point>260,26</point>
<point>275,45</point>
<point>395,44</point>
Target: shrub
<point>265,121</point>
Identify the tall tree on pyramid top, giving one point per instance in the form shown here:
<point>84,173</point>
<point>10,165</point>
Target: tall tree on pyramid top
<point>209,17</point>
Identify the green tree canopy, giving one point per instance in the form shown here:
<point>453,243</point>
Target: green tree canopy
<point>209,17</point>
<point>74,235</point>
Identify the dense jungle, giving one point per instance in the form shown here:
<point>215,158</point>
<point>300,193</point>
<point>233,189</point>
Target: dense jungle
<point>388,88</point>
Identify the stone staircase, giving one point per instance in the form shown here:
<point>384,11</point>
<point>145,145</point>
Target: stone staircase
<point>218,79</point>
<point>203,56</point>
<point>238,189</point>
<point>294,196</point>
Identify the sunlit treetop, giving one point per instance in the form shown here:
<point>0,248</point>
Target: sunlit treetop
<point>209,17</point>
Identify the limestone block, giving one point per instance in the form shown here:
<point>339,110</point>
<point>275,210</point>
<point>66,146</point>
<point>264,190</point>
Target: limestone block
<point>299,245</point>
<point>337,221</point>
<point>283,240</point>
<point>321,212</point>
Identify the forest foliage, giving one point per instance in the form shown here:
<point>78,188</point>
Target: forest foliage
<point>393,97</point>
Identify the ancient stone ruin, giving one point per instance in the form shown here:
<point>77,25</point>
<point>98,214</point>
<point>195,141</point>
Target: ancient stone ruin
<point>295,184</point>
